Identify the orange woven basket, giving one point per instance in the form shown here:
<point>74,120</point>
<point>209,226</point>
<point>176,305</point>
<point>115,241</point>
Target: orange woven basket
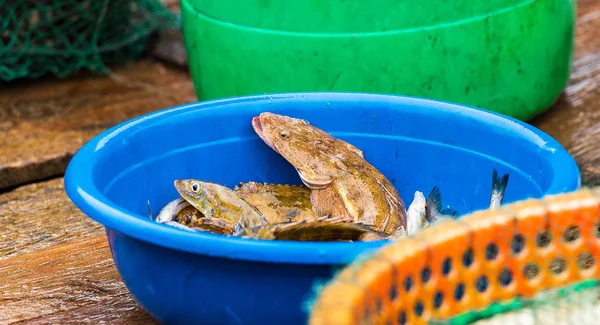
<point>485,263</point>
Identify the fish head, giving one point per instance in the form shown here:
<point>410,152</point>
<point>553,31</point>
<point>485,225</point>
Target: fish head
<point>199,194</point>
<point>190,189</point>
<point>315,154</point>
<point>216,201</point>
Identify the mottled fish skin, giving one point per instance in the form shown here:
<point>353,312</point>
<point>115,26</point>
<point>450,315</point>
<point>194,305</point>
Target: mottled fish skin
<point>318,230</point>
<point>277,202</point>
<point>188,215</point>
<point>343,183</point>
<point>367,197</point>
<point>297,141</point>
<point>219,202</point>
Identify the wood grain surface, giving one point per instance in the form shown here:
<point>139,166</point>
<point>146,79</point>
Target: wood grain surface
<point>55,265</point>
<point>40,215</point>
<point>43,123</point>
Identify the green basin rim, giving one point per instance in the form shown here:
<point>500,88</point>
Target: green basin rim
<point>350,17</point>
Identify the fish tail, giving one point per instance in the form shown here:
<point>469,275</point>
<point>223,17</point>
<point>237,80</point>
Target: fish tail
<point>450,213</point>
<point>498,189</point>
<point>433,205</point>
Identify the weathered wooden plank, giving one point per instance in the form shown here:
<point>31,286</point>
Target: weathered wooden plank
<point>574,120</point>
<point>55,264</point>
<point>72,282</point>
<point>40,215</point>
<point>44,122</point>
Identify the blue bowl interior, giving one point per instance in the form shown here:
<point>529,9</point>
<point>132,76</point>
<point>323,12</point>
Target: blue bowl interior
<point>416,143</point>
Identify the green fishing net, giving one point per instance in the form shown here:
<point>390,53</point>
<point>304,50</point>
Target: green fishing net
<point>38,37</point>
<point>577,304</point>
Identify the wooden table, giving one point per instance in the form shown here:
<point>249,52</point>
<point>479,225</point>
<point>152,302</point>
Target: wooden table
<point>55,265</point>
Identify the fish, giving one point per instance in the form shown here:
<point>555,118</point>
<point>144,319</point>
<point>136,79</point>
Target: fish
<point>342,183</point>
<point>219,205</point>
<point>179,213</point>
<point>278,202</point>
<point>171,209</point>
<point>322,229</point>
<point>423,212</point>
<point>228,206</point>
<point>169,212</point>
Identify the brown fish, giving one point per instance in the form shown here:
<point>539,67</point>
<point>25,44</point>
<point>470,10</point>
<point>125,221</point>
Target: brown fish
<point>343,184</point>
<point>219,205</point>
<point>278,203</point>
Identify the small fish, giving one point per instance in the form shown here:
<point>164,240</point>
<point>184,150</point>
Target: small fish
<point>432,213</point>
<point>498,189</point>
<point>425,212</point>
<point>170,211</point>
<point>342,182</point>
<point>216,201</point>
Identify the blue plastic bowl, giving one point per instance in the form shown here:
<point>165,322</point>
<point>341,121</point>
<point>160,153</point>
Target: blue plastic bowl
<point>183,278</point>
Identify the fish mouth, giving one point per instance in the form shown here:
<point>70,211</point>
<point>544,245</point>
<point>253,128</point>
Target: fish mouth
<point>257,126</point>
<point>183,191</point>
<point>192,198</point>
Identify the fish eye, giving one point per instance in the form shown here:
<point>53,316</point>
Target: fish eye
<point>283,134</point>
<point>195,187</point>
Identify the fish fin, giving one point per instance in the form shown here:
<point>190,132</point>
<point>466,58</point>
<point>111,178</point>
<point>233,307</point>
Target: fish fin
<point>313,183</point>
<point>449,212</point>
<point>240,227</point>
<point>245,226</point>
<point>372,236</point>
<point>150,211</point>
<point>398,234</point>
<point>352,148</point>
<point>433,205</point>
<point>327,202</point>
<point>322,229</point>
<point>434,210</point>
<point>498,189</point>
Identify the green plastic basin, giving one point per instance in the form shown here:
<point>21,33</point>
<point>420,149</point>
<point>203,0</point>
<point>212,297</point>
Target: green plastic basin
<point>508,56</point>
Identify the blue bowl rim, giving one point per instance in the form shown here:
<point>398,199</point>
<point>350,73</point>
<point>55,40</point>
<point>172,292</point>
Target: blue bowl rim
<point>80,187</point>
